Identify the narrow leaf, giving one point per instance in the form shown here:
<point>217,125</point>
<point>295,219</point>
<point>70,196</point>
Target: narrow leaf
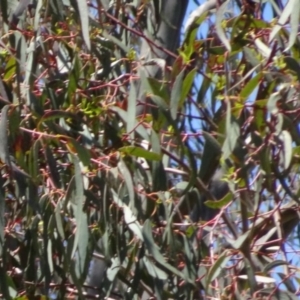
<point>284,16</point>
<point>219,203</point>
<point>132,222</point>
<point>154,250</point>
<point>220,31</point>
<point>83,154</point>
<point>294,22</point>
<point>251,86</point>
<point>128,180</point>
<point>176,94</point>
<point>84,19</point>
<point>153,270</point>
<point>140,152</point>
<point>131,111</point>
<point>286,138</point>
<point>216,269</point>
<point>77,200</point>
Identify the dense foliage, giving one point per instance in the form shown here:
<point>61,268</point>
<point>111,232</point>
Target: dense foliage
<point>112,130</point>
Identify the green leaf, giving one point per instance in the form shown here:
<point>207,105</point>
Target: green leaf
<point>264,50</point>
<point>74,77</point>
<point>131,111</point>
<point>232,135</point>
<point>284,16</point>
<point>51,162</point>
<point>37,16</point>
<point>286,155</point>
<point>10,69</point>
<point>274,264</point>
<point>293,65</point>
<point>272,103</point>
<point>49,255</point>
<point>4,154</point>
<point>294,22</point>
<point>219,203</point>
<point>154,250</point>
<point>132,223</point>
<point>140,152</point>
<point>83,238</point>
<point>12,290</point>
<point>239,243</point>
<point>2,218</point>
<point>53,115</point>
<point>153,270</point>
<point>128,181</point>
<point>217,268</point>
<point>154,87</point>
<point>181,185</point>
<point>80,216</point>
<point>155,142</point>
<point>176,94</point>
<point>138,127</point>
<point>186,86</point>
<point>288,282</point>
<point>211,155</point>
<point>251,86</point>
<point>82,152</point>
<point>160,102</point>
<point>84,19</point>
<point>219,18</point>
<point>58,218</point>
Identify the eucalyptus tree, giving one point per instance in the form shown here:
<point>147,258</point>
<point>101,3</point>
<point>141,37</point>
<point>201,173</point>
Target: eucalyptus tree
<point>147,156</point>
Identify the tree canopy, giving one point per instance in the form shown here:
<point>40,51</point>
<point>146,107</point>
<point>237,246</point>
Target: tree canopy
<point>166,148</point>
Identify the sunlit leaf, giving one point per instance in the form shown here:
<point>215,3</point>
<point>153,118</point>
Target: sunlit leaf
<point>219,21</point>
<point>140,152</point>
<point>287,148</point>
<point>219,203</point>
<point>286,13</point>
<point>250,86</point>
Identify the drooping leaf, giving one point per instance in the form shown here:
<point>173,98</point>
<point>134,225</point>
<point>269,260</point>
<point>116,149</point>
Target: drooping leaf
<point>37,14</point>
<point>140,152</point>
<point>232,136</point>
<point>84,20</point>
<point>52,167</point>
<point>4,154</point>
<point>294,23</point>
<point>154,250</point>
<point>10,69</point>
<point>286,13</point>
<point>131,111</point>
<point>274,264</point>
<point>124,116</point>
<point>211,156</point>
<point>219,203</point>
<point>154,271</point>
<point>126,176</point>
<point>286,139</point>
<point>217,268</point>
<point>219,23</point>
<point>251,85</point>
<point>131,221</point>
<point>176,94</point>
<point>83,154</point>
<point>81,233</point>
